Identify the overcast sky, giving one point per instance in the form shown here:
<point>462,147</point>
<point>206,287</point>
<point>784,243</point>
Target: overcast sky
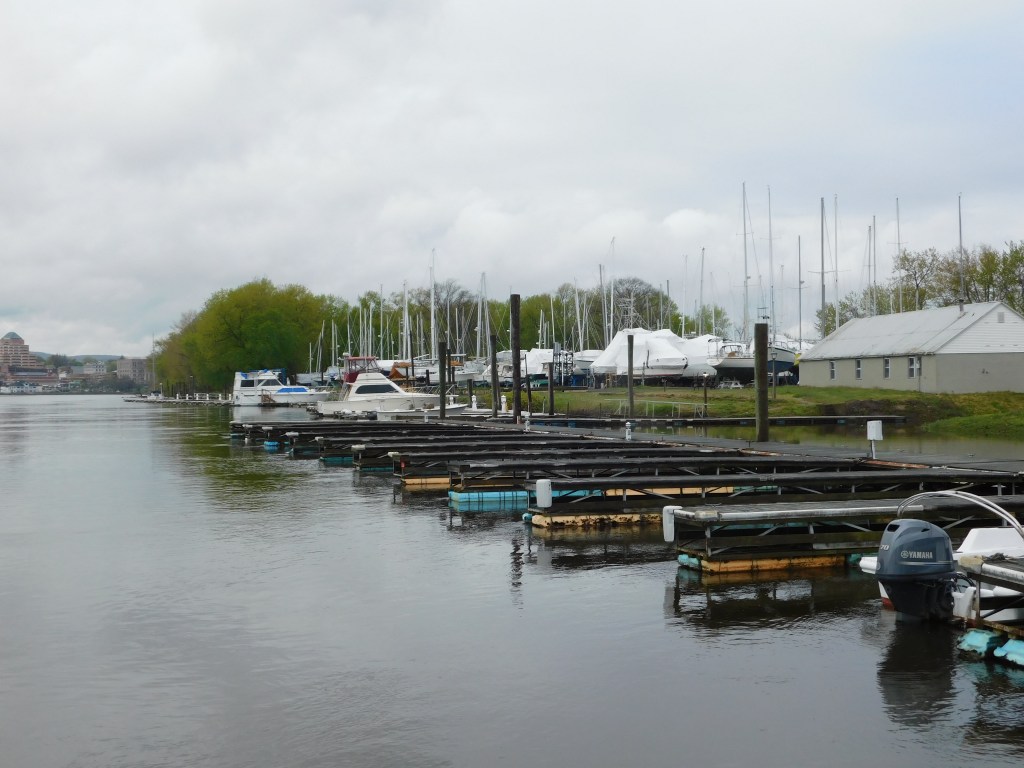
<point>154,153</point>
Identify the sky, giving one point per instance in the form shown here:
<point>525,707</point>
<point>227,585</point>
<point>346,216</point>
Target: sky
<point>156,153</point>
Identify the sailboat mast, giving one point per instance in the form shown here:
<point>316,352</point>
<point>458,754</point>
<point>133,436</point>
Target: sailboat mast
<point>480,316</point>
<point>433,325</point>
<point>771,268</point>
<point>406,332</point>
<point>824,326</point>
<point>746,272</point>
<point>611,298</point>
<point>960,227</point>
<point>874,266</point>
<point>799,298</point>
<point>682,301</point>
<point>700,309</point>
<point>835,254</point>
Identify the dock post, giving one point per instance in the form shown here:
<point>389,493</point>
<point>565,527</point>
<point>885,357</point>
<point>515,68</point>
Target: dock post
<point>517,377</point>
<point>442,374</point>
<point>551,389</point>
<point>761,380</point>
<point>493,341</point>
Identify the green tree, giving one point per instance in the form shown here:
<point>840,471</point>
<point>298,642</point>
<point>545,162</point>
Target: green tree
<point>709,318</point>
<point>916,274</point>
<point>256,325</point>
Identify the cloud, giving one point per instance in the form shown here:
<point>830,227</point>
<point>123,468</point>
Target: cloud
<point>156,154</point>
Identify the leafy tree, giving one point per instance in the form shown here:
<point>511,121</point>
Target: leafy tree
<point>709,318</point>
<point>916,272</point>
<point>256,325</point>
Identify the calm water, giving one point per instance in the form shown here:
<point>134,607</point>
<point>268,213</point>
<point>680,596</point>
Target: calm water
<point>170,599</point>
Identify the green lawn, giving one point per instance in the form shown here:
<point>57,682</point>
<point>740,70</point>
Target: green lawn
<point>990,414</point>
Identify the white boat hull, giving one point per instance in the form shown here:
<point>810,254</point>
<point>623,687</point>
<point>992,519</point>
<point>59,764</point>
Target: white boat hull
<point>373,392</point>
<point>982,542</point>
<point>264,388</point>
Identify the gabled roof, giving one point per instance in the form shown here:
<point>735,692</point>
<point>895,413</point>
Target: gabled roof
<point>923,332</point>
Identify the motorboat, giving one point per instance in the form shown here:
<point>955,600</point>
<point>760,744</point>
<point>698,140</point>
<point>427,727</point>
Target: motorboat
<point>267,387</point>
<point>918,570</point>
<point>365,389</point>
<point>734,360</point>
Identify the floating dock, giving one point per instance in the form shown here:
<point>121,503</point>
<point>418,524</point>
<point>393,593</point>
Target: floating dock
<point>735,505</point>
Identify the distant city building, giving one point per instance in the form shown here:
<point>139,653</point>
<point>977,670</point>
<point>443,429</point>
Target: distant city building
<point>16,361</point>
<point>135,369</point>
<point>14,352</point>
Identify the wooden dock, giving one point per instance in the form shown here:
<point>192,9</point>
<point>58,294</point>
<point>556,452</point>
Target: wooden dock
<point>735,504</point>
<point>772,536</point>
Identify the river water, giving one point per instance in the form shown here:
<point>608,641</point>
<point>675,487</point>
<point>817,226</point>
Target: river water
<point>169,598</point>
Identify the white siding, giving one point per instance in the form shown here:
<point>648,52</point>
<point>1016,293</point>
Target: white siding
<point>988,335</point>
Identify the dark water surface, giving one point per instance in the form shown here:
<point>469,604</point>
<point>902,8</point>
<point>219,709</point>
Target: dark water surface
<point>168,598</point>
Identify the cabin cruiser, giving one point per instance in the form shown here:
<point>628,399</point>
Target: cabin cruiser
<point>365,389</point>
<point>267,388</point>
<point>917,568</point>
<point>735,360</point>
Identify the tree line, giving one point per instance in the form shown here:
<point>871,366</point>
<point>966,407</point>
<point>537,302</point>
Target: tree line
<point>928,278</point>
<point>260,325</point>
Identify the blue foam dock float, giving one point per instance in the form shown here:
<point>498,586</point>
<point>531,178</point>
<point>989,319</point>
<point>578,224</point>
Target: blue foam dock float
<point>1012,652</point>
<point>270,446</point>
<point>689,561</point>
<point>490,501</point>
<point>981,642</point>
<point>333,461</point>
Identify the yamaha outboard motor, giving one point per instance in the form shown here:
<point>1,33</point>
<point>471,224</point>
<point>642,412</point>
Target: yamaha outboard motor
<point>916,569</point>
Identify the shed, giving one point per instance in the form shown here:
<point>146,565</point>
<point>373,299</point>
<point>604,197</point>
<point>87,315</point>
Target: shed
<point>955,349</point>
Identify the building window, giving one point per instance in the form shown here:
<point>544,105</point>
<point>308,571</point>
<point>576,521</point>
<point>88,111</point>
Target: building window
<point>886,367</point>
<point>832,369</point>
<point>856,368</point>
<point>913,367</point>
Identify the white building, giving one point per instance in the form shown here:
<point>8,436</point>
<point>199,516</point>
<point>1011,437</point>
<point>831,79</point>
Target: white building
<point>973,348</point>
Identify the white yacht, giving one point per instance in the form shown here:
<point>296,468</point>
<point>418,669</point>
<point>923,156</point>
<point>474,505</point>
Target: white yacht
<point>266,388</point>
<point>366,389</point>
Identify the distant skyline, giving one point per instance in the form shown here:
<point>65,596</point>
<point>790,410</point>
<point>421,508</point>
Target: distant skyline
<point>155,154</point>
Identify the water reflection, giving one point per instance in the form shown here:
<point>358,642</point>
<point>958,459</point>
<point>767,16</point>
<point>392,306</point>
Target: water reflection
<point>575,549</point>
<point>240,608</point>
<point>998,704</point>
<point>714,602</point>
<point>915,674</point>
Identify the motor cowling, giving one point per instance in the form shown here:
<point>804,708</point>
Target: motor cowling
<point>917,570</point>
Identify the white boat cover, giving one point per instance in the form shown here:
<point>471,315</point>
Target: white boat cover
<point>655,353</point>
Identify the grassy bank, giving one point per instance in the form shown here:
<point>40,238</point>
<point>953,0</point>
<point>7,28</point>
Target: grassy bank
<point>991,414</point>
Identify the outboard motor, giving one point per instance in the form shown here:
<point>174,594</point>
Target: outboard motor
<point>917,570</point>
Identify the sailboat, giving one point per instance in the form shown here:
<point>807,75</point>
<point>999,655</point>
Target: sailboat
<point>734,360</point>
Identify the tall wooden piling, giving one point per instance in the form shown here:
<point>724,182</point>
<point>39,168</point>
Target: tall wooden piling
<point>517,409</point>
<point>551,389</point>
<point>442,373</point>
<point>761,380</point>
<point>495,390</point>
